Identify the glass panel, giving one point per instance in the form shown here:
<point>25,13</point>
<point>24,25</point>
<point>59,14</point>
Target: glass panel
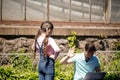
<point>13,10</point>
<point>80,10</point>
<point>0,9</point>
<point>59,10</point>
<point>36,10</point>
<point>97,11</point>
<point>115,11</point>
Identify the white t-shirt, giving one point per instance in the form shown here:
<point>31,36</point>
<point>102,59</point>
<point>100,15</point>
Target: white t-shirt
<point>51,42</point>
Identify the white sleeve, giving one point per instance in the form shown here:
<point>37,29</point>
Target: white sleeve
<point>39,41</point>
<point>54,45</point>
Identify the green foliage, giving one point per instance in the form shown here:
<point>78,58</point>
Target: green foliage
<point>20,67</point>
<point>8,73</point>
<point>18,59</point>
<point>11,72</point>
<point>112,76</point>
<point>117,46</point>
<point>111,66</point>
<point>115,67</point>
<point>63,72</point>
<point>100,35</point>
<point>72,41</point>
<point>111,63</point>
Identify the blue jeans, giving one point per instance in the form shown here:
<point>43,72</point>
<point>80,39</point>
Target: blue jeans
<point>46,69</point>
<point>46,77</point>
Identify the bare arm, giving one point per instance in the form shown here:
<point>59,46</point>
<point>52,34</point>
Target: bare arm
<point>97,69</point>
<point>67,58</point>
<point>54,56</point>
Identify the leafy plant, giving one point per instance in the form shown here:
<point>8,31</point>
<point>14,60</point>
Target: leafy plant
<point>8,73</point>
<point>112,76</point>
<point>20,61</point>
<point>100,35</point>
<point>72,41</point>
<point>63,72</point>
<point>117,46</point>
<point>18,69</point>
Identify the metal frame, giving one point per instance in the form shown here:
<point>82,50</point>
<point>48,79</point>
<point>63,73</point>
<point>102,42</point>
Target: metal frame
<point>107,10</point>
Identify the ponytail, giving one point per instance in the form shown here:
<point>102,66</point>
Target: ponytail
<point>35,48</point>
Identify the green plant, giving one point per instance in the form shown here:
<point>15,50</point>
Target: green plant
<point>19,69</point>
<point>112,76</point>
<point>20,60</point>
<point>63,72</point>
<point>117,45</point>
<point>100,35</point>
<point>72,41</point>
<point>8,73</point>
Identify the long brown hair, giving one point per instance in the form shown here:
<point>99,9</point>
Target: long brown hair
<point>44,25</point>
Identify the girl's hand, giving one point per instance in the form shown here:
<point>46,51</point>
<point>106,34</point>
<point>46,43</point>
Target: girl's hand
<point>71,52</point>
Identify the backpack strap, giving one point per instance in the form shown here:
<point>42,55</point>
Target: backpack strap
<point>40,47</point>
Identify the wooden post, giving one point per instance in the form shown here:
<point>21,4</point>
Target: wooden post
<point>25,9</point>
<point>90,10</point>
<point>1,10</point>
<point>48,11</point>
<point>107,11</point>
<point>70,11</point>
